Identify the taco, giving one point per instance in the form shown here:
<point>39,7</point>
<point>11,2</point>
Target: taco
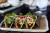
<point>19,21</point>
<point>31,20</point>
<point>8,21</point>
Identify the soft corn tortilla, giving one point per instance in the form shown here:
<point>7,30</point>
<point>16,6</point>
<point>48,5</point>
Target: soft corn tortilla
<point>17,26</point>
<point>32,25</point>
<point>6,25</point>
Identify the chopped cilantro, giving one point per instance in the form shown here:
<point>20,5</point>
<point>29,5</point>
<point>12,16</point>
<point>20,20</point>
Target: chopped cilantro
<point>9,20</point>
<point>20,14</point>
<point>34,17</point>
<point>29,13</point>
<point>8,15</point>
<point>13,14</point>
<point>16,17</point>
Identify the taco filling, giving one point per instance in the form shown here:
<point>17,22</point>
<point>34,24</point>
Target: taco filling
<point>8,21</point>
<point>19,21</point>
